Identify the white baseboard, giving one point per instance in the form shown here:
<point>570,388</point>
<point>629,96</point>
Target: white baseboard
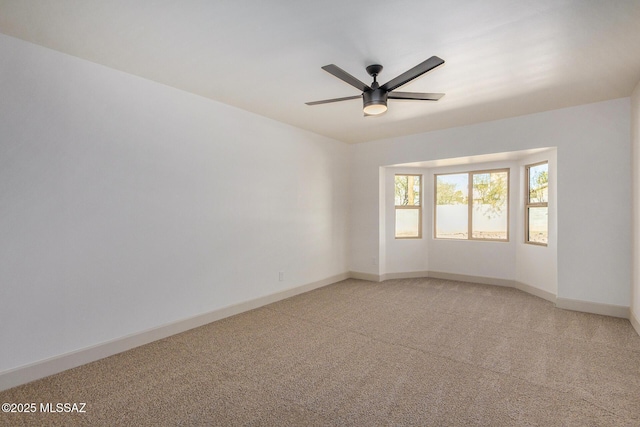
<point>472,279</point>
<point>457,277</point>
<point>634,321</point>
<point>404,275</point>
<point>540,293</point>
<point>56,364</point>
<point>593,307</point>
<point>371,277</point>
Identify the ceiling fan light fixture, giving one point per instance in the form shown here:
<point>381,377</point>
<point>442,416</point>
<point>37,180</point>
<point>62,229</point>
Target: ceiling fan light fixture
<point>375,109</point>
<point>375,102</point>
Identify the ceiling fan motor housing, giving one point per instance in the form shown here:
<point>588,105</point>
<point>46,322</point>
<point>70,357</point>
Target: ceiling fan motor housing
<point>375,97</point>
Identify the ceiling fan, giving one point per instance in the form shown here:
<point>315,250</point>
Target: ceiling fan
<point>375,97</point>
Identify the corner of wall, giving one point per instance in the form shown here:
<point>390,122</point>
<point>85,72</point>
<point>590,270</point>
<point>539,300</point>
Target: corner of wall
<point>634,311</point>
<point>634,321</point>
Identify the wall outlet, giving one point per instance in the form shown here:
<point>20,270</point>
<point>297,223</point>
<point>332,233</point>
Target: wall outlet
<point>281,276</point>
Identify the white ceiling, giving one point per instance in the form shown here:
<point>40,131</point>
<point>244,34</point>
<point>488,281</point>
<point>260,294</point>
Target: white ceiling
<point>503,57</point>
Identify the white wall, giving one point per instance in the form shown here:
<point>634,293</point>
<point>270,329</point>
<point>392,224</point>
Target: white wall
<point>126,205</point>
<point>635,143</point>
<point>593,149</point>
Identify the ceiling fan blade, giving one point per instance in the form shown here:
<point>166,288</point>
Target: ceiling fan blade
<point>411,74</point>
<point>416,96</point>
<point>327,101</point>
<point>345,77</point>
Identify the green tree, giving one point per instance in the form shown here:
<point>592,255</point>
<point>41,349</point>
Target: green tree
<point>401,190</point>
<point>538,186</point>
<point>490,192</point>
<point>407,190</point>
<point>447,194</point>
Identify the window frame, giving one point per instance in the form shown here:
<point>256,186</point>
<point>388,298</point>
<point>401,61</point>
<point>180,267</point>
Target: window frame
<point>528,205</point>
<point>405,207</point>
<point>470,175</point>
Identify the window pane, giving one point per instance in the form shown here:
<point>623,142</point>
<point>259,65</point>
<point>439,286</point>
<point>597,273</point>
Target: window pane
<point>402,196</point>
<point>538,225</point>
<point>407,222</point>
<point>539,183</point>
<point>407,190</point>
<point>452,206</point>
<point>414,190</point>
<point>490,210</point>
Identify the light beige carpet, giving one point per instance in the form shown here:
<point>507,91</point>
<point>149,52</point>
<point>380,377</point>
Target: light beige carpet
<point>413,352</point>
